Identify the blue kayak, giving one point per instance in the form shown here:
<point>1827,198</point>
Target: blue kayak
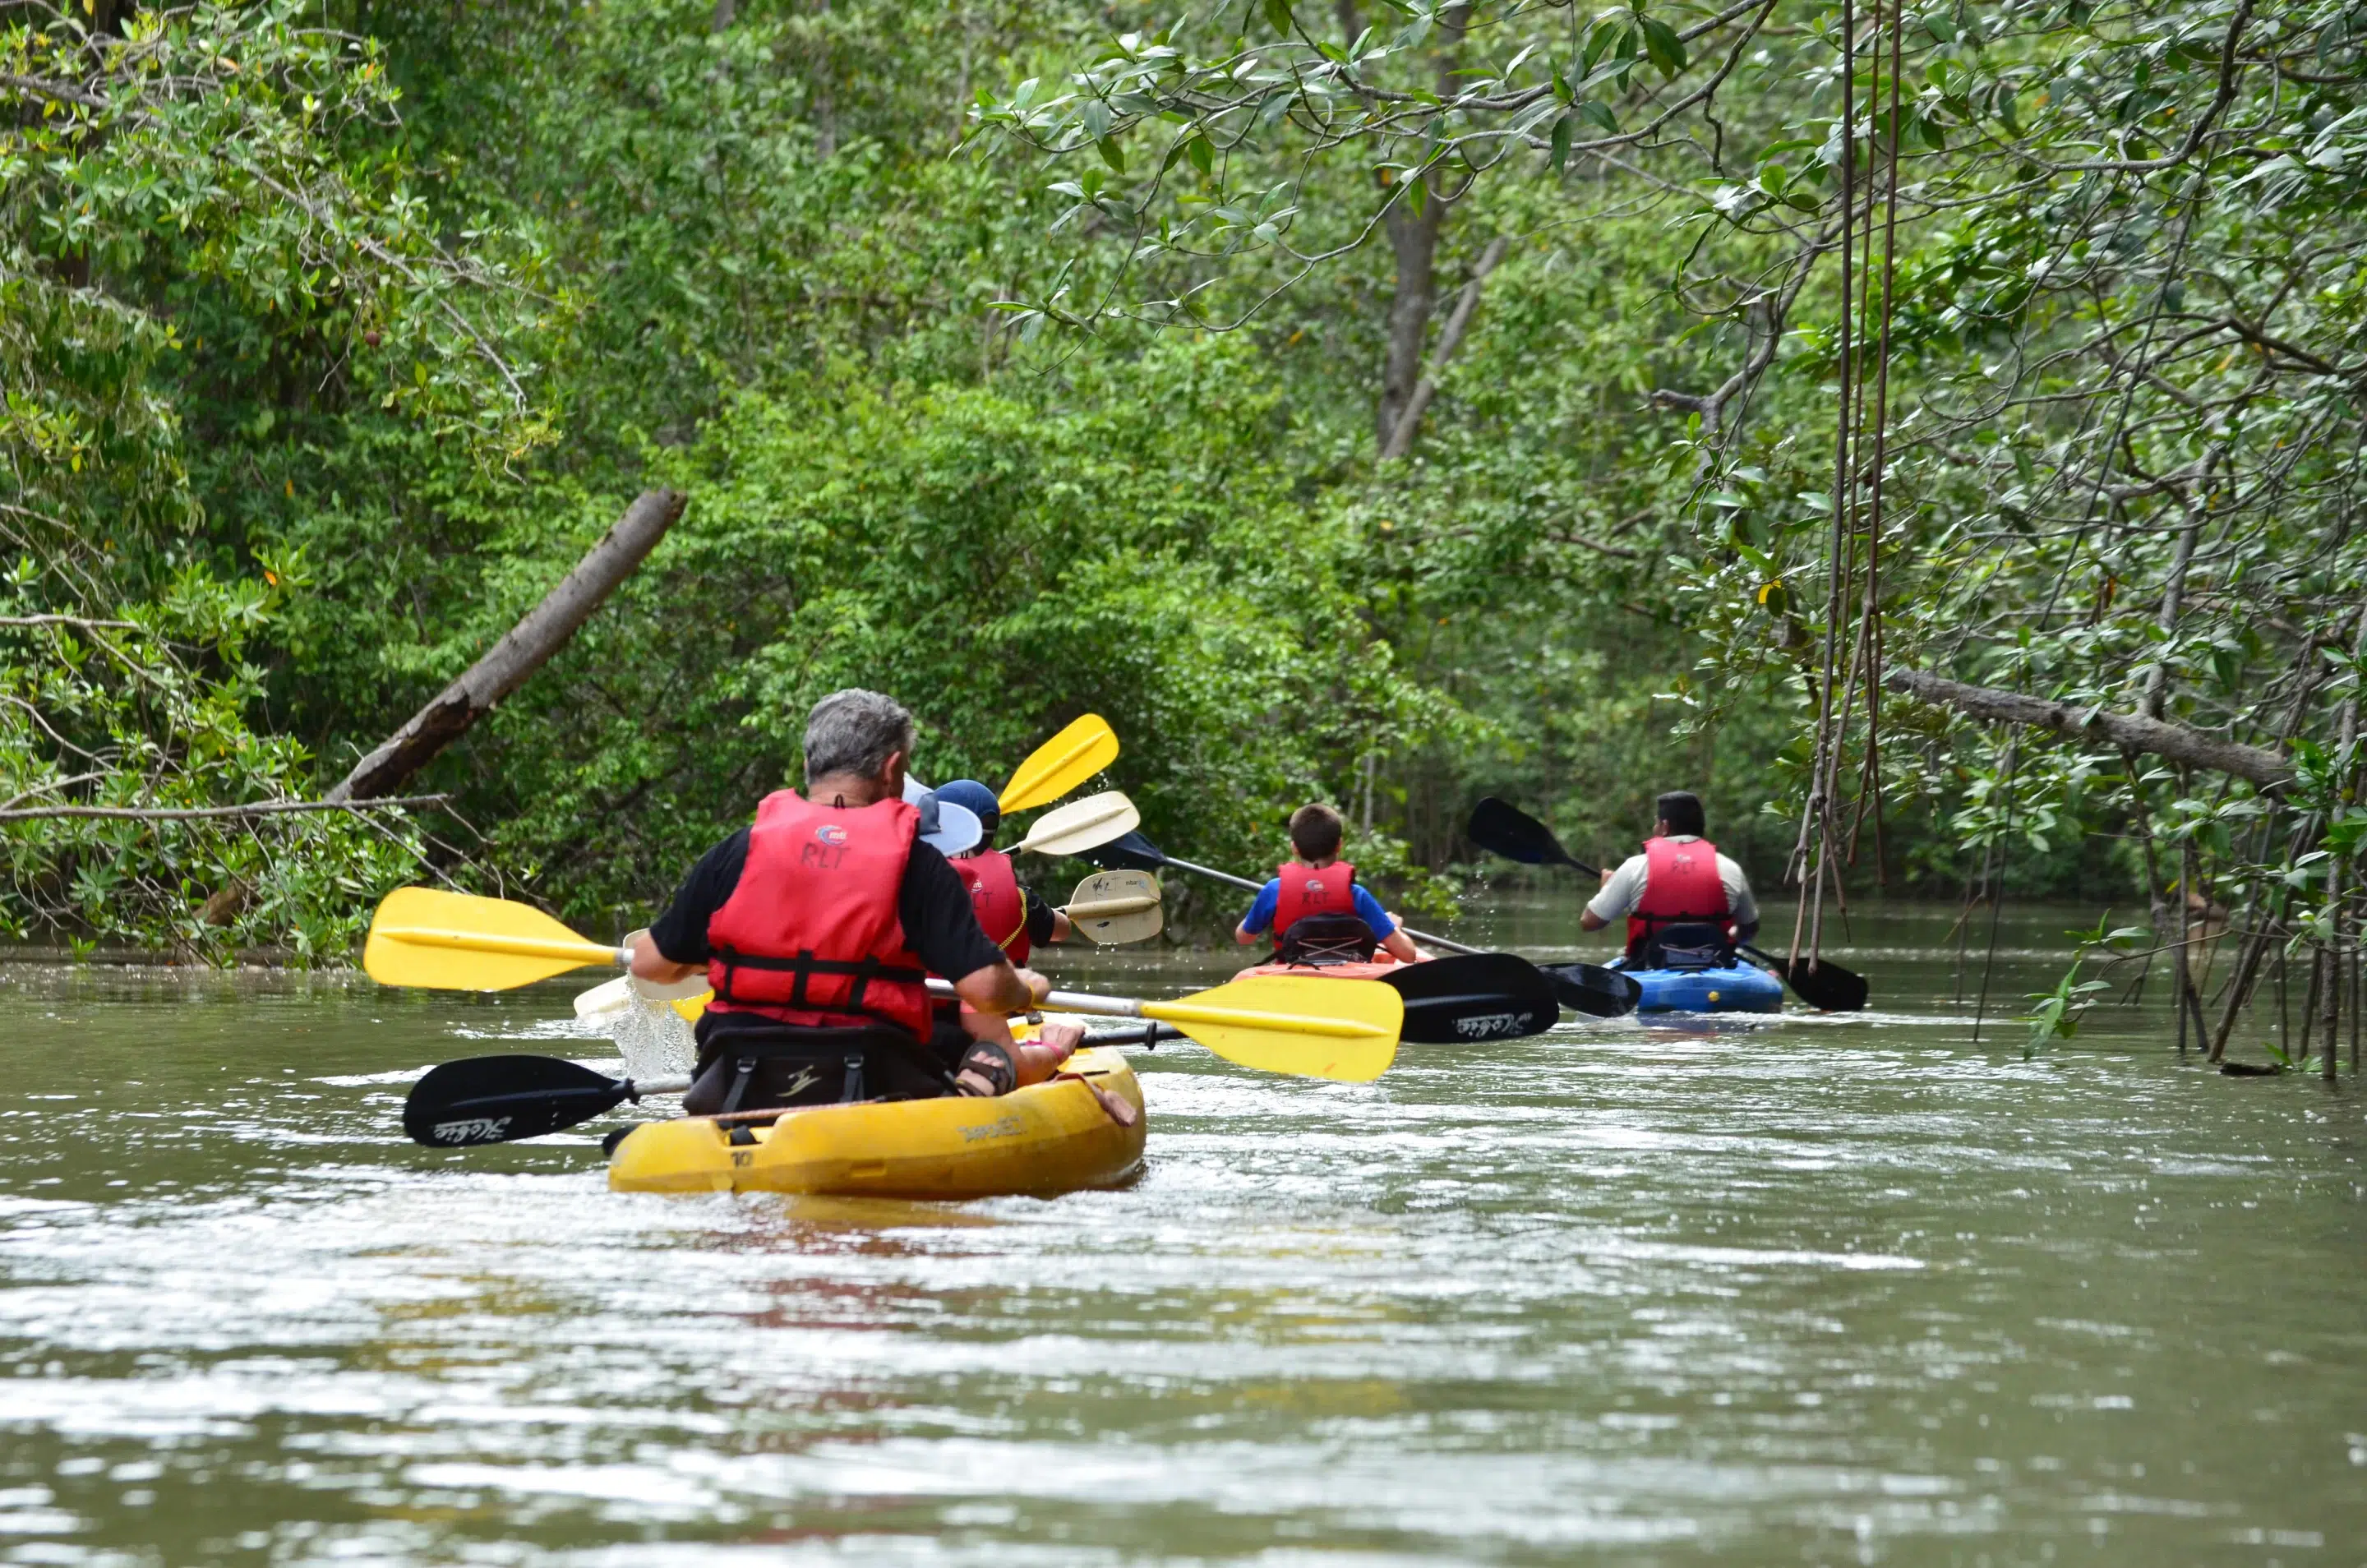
<point>1735,987</point>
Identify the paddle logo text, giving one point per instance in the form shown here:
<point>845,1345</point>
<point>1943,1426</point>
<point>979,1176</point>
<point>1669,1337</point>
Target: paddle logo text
<point>1488,1026</point>
<point>475,1130</point>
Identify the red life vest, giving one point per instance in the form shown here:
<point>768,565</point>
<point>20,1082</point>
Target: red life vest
<point>994,893</point>
<point>811,934</point>
<point>1680,887</point>
<point>1306,891</point>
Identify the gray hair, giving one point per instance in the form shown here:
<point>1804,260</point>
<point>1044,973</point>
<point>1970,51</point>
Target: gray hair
<point>853,732</point>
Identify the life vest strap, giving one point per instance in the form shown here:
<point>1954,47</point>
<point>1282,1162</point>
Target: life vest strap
<point>801,969</point>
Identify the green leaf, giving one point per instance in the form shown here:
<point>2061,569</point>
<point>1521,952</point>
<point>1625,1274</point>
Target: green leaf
<point>1600,114</point>
<point>1596,42</point>
<point>1660,41</point>
<point>1278,16</point>
<point>1560,153</point>
<point>1202,156</point>
<point>1111,154</point>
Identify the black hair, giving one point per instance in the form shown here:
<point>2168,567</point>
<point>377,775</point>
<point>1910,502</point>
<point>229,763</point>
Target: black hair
<point>1682,810</point>
<point>1315,831</point>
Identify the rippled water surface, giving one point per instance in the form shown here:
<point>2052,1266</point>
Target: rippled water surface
<point>1811,1291</point>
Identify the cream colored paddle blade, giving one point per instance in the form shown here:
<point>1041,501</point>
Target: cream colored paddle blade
<point>605,1001</point>
<point>689,997</point>
<point>456,942</point>
<point>1082,825</point>
<point>1343,1029</point>
<point>1112,908</point>
<point>1060,765</point>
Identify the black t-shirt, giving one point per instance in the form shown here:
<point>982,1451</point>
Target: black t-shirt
<point>940,924</point>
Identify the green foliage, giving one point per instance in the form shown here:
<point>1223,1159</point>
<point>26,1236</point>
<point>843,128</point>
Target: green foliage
<point>1022,360</point>
<point>213,164</point>
<point>2057,1014</point>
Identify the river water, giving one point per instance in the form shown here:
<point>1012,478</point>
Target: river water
<point>1804,1290</point>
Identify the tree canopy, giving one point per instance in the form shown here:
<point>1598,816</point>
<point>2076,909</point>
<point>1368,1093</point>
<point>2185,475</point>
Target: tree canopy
<point>1387,401</point>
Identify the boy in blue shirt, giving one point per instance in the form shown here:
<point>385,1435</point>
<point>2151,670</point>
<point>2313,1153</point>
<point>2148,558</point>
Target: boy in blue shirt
<point>1316,881</point>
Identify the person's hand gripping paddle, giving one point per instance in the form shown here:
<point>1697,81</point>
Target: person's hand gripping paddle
<point>1514,834</point>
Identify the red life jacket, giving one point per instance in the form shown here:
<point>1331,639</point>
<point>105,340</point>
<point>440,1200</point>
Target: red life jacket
<point>811,934</point>
<point>1680,887</point>
<point>994,893</point>
<point>1306,891</point>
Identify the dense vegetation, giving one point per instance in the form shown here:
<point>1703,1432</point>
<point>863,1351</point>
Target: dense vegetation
<point>1390,401</point>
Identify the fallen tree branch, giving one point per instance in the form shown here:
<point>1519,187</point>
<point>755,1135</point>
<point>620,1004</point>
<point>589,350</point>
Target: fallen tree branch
<point>2130,732</point>
<point>524,649</point>
<point>196,813</point>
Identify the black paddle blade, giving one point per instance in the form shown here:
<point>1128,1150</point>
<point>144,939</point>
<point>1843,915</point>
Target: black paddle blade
<point>1592,989</point>
<point>1826,986</point>
<point>1479,996</point>
<point>499,1100</point>
<point>1130,852</point>
<point>1514,834</point>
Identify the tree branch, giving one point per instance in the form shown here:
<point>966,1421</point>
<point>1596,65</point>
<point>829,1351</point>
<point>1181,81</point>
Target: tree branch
<point>524,649</point>
<point>198,813</point>
<point>78,621</point>
<point>2130,732</point>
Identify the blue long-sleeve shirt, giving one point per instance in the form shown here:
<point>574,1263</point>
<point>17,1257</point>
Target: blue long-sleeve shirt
<point>1368,909</point>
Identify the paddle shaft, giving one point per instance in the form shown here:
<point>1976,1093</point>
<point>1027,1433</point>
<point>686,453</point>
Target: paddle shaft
<point>1104,908</point>
<point>1185,1012</point>
<point>1259,888</point>
<point>583,952</point>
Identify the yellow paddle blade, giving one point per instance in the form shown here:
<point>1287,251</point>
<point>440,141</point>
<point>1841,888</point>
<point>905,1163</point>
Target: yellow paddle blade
<point>1081,825</point>
<point>1113,906</point>
<point>456,942</point>
<point>1343,1030</point>
<point>1060,765</point>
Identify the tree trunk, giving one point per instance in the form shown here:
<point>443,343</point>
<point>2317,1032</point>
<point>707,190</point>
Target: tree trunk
<point>1414,242</point>
<point>825,107</point>
<point>1397,440</point>
<point>523,650</point>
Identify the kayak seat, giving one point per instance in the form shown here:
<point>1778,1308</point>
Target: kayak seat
<point>1314,941</point>
<point>1688,947</point>
<point>775,1065</point>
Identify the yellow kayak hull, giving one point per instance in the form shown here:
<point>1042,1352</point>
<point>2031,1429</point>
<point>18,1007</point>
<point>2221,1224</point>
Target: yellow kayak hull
<point>1052,1137</point>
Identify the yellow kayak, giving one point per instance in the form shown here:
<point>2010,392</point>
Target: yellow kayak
<point>1051,1137</point>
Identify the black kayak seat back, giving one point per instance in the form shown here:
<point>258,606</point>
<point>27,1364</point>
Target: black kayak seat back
<point>775,1066</point>
<point>1687,947</point>
<point>1318,939</point>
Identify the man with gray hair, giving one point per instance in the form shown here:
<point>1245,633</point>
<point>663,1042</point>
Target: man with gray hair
<point>819,926</point>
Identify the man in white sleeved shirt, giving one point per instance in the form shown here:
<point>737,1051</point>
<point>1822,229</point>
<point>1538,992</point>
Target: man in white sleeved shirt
<point>1680,879</point>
